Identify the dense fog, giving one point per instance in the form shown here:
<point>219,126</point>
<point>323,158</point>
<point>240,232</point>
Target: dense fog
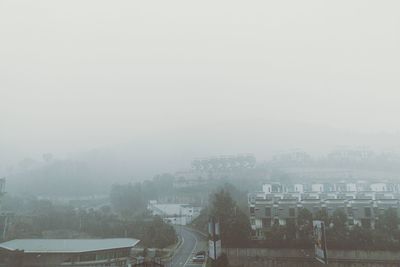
<point>123,92</point>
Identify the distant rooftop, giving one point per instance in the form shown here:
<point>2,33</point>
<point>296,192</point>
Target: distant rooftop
<point>67,245</point>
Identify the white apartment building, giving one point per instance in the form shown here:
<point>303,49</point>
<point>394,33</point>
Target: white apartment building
<point>278,204</point>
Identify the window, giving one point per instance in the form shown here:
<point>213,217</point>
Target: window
<point>350,211</point>
<point>112,255</point>
<point>381,211</point>
<point>367,211</point>
<point>251,210</point>
<point>268,212</point>
<point>280,212</point>
<point>276,212</point>
<point>292,212</point>
<point>87,257</point>
<point>66,260</point>
<point>266,223</point>
<point>259,233</point>
<point>101,256</point>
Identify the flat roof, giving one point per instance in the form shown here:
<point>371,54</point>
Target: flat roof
<point>67,245</point>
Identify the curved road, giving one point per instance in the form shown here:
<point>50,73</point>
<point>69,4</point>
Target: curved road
<point>192,242</point>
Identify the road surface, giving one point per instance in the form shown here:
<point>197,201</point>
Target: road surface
<point>192,242</point>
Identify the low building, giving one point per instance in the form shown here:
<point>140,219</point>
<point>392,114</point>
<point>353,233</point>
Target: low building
<point>267,188</point>
<point>299,188</point>
<point>317,188</point>
<point>351,187</point>
<point>174,213</point>
<point>66,252</point>
<point>379,187</point>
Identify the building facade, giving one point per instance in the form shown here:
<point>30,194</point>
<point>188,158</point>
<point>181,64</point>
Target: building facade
<point>66,252</point>
<point>280,204</point>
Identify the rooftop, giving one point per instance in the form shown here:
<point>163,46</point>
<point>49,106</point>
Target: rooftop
<point>67,245</point>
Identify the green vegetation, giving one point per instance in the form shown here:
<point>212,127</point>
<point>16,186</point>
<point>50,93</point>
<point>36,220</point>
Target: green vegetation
<point>222,261</point>
<point>340,235</point>
<point>131,200</point>
<point>127,216</point>
<point>42,219</point>
<point>234,223</point>
<point>155,233</point>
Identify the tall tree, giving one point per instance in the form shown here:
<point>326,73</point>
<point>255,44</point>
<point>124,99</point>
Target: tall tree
<point>304,225</point>
<point>234,224</point>
<point>339,220</point>
<point>128,199</point>
<point>388,221</point>
<point>322,215</point>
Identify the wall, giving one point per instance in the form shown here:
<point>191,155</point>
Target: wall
<point>260,257</point>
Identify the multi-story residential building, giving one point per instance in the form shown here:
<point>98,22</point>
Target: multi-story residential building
<point>379,187</point>
<point>363,203</point>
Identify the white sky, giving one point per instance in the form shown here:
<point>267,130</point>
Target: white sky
<point>81,74</point>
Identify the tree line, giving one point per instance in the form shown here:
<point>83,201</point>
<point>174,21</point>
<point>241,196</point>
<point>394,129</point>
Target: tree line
<point>130,200</point>
<point>43,219</point>
<point>339,234</point>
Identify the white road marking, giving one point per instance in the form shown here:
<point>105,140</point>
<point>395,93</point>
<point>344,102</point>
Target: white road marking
<point>195,245</point>
<point>179,248</point>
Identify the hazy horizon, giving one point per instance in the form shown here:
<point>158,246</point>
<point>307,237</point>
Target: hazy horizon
<point>179,80</point>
